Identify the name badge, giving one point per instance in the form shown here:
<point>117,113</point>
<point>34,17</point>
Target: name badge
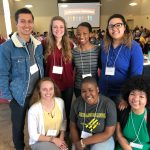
<point>51,132</point>
<point>57,69</point>
<point>34,68</point>
<point>85,134</point>
<point>86,75</point>
<point>110,71</point>
<point>135,145</point>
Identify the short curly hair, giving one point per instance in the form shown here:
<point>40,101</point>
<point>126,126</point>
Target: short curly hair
<point>139,82</point>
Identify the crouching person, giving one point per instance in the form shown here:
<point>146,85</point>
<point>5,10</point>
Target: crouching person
<point>46,118</point>
<point>93,119</point>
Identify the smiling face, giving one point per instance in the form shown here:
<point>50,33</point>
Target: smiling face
<point>58,29</point>
<point>47,90</point>
<point>83,35</point>
<point>137,100</point>
<point>90,93</point>
<point>116,28</point>
<point>25,26</point>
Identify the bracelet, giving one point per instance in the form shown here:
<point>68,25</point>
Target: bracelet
<point>82,144</point>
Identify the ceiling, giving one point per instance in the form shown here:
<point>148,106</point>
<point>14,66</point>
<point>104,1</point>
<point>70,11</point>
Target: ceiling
<point>113,6</point>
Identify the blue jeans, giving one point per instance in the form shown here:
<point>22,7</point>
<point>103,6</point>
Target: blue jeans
<point>18,114</point>
<point>106,145</point>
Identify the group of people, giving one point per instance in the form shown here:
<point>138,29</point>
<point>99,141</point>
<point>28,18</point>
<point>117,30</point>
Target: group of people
<point>95,74</point>
<point>142,36</point>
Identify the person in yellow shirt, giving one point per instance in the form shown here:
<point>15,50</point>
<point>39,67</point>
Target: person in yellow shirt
<point>46,117</point>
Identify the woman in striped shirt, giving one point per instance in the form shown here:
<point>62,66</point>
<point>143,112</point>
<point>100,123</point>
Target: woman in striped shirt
<point>85,56</point>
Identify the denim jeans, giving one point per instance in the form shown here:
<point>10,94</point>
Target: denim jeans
<point>106,145</point>
<point>18,114</point>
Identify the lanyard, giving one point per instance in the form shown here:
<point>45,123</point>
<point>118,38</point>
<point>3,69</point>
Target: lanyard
<point>115,58</point>
<point>137,133</point>
<point>82,62</point>
<point>85,112</point>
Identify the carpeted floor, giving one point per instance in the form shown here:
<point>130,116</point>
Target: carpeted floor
<point>5,129</point>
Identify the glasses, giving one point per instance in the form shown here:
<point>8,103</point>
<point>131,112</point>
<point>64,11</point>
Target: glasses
<point>117,25</point>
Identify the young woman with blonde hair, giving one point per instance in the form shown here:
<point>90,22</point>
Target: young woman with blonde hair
<point>58,57</point>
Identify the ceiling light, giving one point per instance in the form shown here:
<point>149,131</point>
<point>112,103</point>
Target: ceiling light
<point>17,0</point>
<point>28,6</point>
<point>133,4</point>
<point>64,5</point>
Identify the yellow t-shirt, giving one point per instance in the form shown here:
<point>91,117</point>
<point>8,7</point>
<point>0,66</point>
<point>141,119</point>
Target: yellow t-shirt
<point>53,119</point>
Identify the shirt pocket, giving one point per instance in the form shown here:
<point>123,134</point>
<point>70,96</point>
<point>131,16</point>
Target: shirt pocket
<point>19,65</point>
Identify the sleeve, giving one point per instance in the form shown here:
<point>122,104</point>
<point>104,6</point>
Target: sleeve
<point>137,60</point>
<point>64,123</point>
<point>5,66</point>
<point>33,123</point>
<point>122,116</point>
<point>118,115</point>
<point>73,112</point>
<point>111,113</point>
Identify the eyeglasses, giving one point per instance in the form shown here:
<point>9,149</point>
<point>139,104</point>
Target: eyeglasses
<point>117,25</point>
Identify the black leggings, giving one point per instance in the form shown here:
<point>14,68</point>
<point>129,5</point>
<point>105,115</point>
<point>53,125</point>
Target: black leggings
<point>67,97</point>
<point>77,92</point>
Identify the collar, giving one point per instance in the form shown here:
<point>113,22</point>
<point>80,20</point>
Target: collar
<point>19,42</point>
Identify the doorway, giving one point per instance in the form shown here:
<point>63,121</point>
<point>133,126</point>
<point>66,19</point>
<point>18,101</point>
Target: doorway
<point>130,23</point>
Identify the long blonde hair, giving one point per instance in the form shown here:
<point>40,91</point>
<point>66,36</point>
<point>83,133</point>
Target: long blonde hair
<point>127,38</point>
<point>36,93</point>
<point>65,42</point>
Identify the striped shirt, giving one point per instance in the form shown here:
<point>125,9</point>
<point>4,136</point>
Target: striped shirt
<point>85,62</point>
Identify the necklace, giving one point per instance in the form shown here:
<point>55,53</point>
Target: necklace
<point>48,107</point>
<point>85,112</point>
<point>137,132</point>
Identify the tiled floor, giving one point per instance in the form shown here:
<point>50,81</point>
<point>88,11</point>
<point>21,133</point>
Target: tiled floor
<point>5,129</point>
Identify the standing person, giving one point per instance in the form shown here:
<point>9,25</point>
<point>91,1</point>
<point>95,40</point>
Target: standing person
<point>136,118</point>
<point>121,58</point>
<point>93,118</point>
<point>46,117</point>
<point>59,60</point>
<point>85,56</point>
<point>21,65</point>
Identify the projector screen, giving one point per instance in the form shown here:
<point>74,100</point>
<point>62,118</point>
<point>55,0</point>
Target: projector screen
<point>75,13</point>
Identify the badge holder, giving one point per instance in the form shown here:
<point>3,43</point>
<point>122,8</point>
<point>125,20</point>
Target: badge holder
<point>110,71</point>
<point>135,145</point>
<point>86,75</point>
<point>51,133</point>
<point>85,134</point>
<point>57,70</point>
